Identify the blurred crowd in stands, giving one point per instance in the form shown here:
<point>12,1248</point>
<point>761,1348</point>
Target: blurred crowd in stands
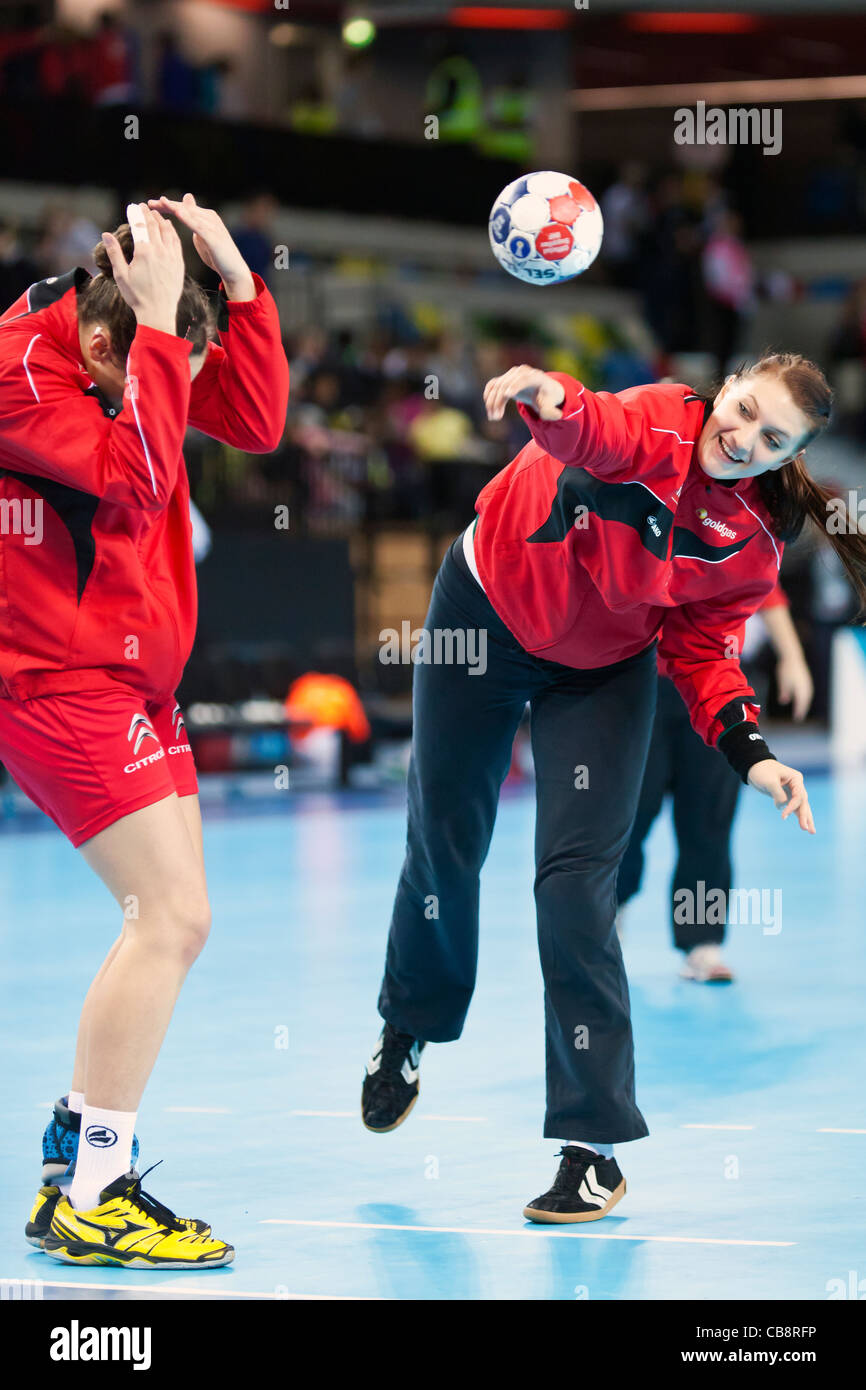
<point>102,66</point>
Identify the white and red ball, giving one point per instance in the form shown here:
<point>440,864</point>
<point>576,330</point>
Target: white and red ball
<point>545,228</point>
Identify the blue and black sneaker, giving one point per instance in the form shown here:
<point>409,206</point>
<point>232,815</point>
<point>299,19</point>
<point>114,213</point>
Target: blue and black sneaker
<point>59,1152</point>
<point>60,1141</point>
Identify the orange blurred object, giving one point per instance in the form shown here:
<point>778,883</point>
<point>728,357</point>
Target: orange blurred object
<point>327,702</point>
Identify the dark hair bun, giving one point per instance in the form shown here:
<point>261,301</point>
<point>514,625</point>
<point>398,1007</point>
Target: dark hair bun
<point>123,234</point>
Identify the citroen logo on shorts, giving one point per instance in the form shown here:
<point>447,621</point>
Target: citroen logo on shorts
<point>177,722</point>
<point>139,730</point>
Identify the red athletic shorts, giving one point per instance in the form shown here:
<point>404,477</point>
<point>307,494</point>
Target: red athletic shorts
<point>87,759</point>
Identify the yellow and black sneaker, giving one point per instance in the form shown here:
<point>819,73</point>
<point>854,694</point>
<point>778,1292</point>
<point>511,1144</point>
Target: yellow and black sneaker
<point>131,1228</point>
<point>39,1225</point>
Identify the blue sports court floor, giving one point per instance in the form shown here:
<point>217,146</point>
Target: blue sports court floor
<point>752,1185</point>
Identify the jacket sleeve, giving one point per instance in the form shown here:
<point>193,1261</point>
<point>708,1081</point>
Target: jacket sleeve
<point>596,432</point>
<point>699,650</point>
<point>241,394</point>
<point>50,427</point>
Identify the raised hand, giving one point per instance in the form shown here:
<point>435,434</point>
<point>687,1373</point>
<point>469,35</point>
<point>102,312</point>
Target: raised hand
<point>527,384</point>
<point>151,283</point>
<point>213,242</point>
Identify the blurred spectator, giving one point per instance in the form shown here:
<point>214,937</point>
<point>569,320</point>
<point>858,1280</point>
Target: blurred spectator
<point>313,113</point>
<point>358,95</point>
<point>67,239</point>
<point>17,270</point>
<point>439,433</point>
<point>670,269</point>
<point>254,234</point>
<point>176,77</point>
<point>848,341</point>
<point>230,93</point>
<point>729,279</point>
<point>111,58</point>
<point>625,211</point>
<point>65,71</point>
<point>847,353</point>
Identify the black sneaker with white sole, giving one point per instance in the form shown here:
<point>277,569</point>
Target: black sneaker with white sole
<point>391,1081</point>
<point>586,1187</point>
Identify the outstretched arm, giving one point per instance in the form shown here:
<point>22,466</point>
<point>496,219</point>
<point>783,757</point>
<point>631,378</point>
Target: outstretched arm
<point>582,428</point>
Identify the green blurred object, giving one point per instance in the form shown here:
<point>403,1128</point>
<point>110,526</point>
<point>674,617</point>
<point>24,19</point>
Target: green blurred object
<point>455,95</point>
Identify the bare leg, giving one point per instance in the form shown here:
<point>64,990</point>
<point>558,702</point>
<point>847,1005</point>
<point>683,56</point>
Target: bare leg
<point>192,815</point>
<point>152,862</point>
<point>79,1069</point>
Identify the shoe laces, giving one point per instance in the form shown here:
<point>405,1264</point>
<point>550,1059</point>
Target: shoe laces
<point>573,1168</point>
<point>151,1207</point>
<point>395,1049</point>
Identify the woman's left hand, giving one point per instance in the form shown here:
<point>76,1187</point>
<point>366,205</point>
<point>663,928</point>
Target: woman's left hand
<point>794,685</point>
<point>213,242</point>
<point>787,788</point>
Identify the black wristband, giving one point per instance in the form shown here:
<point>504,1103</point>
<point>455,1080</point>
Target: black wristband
<point>743,746</point>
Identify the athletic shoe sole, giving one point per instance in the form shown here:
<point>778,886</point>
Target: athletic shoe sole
<point>562,1218</point>
<point>80,1253</point>
<point>396,1124</point>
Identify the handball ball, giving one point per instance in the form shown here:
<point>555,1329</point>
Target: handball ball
<point>545,228</point>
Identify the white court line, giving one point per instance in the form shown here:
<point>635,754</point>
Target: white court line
<point>196,1110</point>
<point>191,1293</point>
<point>458,1119</point>
<point>489,1231</point>
<point>717,1126</point>
<point>353,1114</point>
<point>840,1131</point>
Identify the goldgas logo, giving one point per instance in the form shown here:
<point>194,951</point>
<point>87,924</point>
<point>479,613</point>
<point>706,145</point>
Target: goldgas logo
<point>707,520</point>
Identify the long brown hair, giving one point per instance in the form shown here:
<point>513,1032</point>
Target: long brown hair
<point>101,302</point>
<point>791,494</point>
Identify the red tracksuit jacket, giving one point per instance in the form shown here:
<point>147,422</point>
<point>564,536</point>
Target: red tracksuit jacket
<point>109,594</point>
<point>605,533</point>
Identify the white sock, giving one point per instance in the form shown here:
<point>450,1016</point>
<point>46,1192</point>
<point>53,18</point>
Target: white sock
<point>75,1102</point>
<point>104,1153</point>
<point>603,1150</point>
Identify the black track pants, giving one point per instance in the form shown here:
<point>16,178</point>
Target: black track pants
<point>705,791</point>
<point>590,733</point>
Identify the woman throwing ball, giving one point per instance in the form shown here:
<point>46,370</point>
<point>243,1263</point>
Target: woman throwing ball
<point>649,517</point>
<point>99,378</point>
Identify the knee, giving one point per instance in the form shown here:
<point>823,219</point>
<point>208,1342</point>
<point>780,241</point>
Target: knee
<point>180,925</point>
<point>192,922</point>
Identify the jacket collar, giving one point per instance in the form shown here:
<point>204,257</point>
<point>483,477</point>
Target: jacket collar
<point>55,301</point>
